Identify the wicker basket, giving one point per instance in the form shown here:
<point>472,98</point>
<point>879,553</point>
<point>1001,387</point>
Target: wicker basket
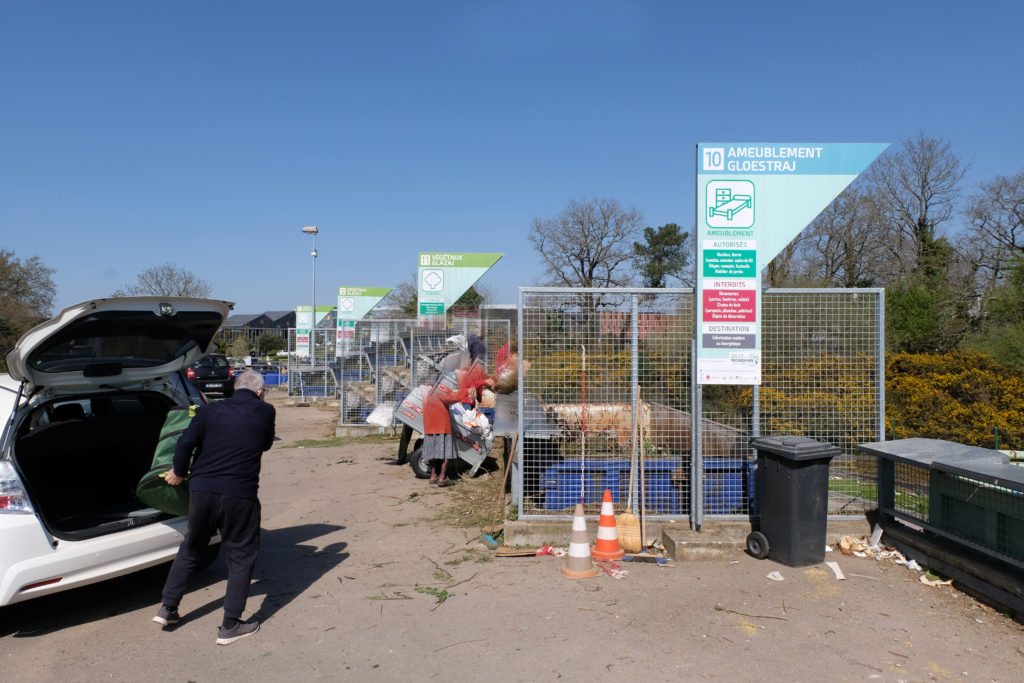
<point>628,529</point>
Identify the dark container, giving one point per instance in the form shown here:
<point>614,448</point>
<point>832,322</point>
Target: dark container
<point>792,496</point>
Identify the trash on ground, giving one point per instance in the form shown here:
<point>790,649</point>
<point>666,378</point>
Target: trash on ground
<point>505,551</point>
<point>935,582</point>
<point>776,576</point>
<point>834,566</point>
<point>645,557</point>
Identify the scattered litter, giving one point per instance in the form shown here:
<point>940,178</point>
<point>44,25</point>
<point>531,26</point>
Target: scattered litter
<point>552,550</point>
<point>860,554</point>
<point>935,582</point>
<point>644,557</point>
<point>735,562</point>
<point>775,576</point>
<point>913,566</point>
<point>505,551</point>
<point>848,545</point>
<point>864,576</point>
<point>876,536</point>
<point>829,549</point>
<point>834,566</point>
<point>613,570</point>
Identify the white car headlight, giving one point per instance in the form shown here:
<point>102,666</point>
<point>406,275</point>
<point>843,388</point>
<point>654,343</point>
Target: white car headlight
<point>12,492</point>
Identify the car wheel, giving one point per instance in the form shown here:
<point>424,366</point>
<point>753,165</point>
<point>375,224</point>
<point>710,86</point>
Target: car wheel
<point>420,467</point>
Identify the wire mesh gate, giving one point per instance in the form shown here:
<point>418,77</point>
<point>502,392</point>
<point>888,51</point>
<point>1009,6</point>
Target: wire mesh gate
<point>600,365</point>
<point>386,358</point>
<point>313,372</point>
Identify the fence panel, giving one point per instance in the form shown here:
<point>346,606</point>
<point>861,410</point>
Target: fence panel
<point>824,368</point>
<point>585,356</point>
<point>588,353</point>
<point>387,357</point>
<point>312,374</point>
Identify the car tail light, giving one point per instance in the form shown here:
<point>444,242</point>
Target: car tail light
<point>12,492</point>
<point>190,373</point>
<point>231,372</point>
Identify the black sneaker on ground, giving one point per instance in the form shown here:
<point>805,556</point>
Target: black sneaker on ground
<point>226,636</point>
<point>166,617</point>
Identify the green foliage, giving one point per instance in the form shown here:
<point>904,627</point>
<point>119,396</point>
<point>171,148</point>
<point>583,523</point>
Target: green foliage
<point>927,315</point>
<point>663,256</point>
<point>26,294</point>
<point>962,397</point>
<point>239,346</point>
<point>1002,330</point>
<point>269,343</point>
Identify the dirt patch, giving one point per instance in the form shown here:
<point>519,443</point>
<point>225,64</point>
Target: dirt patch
<point>368,573</point>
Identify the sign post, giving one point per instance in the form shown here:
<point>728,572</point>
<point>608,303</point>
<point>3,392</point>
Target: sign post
<point>353,304</point>
<point>752,200</point>
<point>444,277</point>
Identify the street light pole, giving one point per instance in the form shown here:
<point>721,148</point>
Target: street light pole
<point>312,230</point>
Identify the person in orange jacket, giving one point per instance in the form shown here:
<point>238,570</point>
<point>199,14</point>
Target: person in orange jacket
<point>438,440</point>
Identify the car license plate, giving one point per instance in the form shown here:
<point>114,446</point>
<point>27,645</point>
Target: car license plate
<point>215,385</point>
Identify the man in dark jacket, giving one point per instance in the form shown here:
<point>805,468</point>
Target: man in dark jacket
<point>220,452</point>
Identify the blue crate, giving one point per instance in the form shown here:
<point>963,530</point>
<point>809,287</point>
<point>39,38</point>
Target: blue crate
<point>728,484</point>
<point>562,482</point>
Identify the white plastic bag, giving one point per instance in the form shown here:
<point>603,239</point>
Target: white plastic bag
<point>383,415</point>
<point>474,422</point>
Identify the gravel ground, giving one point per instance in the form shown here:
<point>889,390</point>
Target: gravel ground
<point>364,576</point>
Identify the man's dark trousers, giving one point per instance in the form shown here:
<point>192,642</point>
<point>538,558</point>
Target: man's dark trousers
<point>239,522</point>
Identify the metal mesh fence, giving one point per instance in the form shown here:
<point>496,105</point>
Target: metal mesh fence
<point>823,377</point>
<point>587,354</point>
<point>312,374</point>
<point>385,358</point>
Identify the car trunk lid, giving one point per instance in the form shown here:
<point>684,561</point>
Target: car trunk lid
<point>116,342</point>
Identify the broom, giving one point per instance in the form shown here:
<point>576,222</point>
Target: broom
<point>627,523</point>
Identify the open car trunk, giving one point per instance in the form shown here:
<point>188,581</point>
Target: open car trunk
<point>81,459</point>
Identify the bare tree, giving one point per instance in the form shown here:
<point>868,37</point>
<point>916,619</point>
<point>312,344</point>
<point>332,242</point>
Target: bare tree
<point>845,246</point>
<point>26,295</point>
<point>995,236</point>
<point>404,296</point>
<point>917,190</point>
<point>589,244</point>
<point>166,280</point>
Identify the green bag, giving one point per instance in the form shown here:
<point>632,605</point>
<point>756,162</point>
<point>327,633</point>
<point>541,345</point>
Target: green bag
<point>152,489</point>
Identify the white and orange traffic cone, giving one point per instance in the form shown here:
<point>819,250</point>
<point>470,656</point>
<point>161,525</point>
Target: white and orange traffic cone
<point>606,546</point>
<point>579,564</point>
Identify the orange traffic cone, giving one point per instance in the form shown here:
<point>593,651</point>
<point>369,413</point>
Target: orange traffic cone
<point>579,564</point>
<point>606,546</point>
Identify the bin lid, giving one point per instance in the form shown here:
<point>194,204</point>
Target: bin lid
<point>922,452</point>
<point>795,447</point>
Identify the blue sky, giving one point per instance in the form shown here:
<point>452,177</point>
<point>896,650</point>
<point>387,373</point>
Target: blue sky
<point>206,134</point>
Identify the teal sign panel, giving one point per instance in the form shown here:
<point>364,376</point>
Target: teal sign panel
<point>753,198</point>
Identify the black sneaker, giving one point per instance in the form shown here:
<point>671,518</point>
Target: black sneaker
<point>226,636</point>
<point>166,616</point>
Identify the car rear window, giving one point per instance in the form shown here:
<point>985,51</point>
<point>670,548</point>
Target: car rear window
<point>125,339</point>
<point>212,362</point>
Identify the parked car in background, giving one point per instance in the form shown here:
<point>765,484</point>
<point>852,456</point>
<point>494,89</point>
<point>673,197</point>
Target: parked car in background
<point>82,409</point>
<point>213,374</point>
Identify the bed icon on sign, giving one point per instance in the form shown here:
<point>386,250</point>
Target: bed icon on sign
<point>730,204</point>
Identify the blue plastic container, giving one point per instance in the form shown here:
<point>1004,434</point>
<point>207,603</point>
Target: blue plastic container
<point>728,484</point>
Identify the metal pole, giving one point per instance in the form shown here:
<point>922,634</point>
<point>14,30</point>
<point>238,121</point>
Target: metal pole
<point>696,448</point>
<point>634,376</point>
<point>312,330</point>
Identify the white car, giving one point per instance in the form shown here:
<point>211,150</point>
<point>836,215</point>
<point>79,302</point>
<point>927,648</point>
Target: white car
<point>82,407</point>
